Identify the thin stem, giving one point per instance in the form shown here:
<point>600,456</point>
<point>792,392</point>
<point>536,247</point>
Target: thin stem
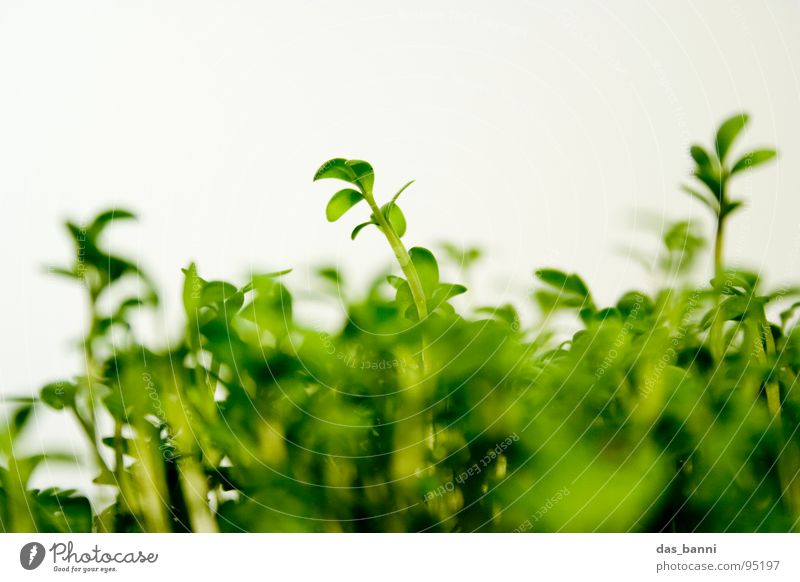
<point>715,333</point>
<point>407,265</point>
<point>90,426</point>
<point>410,271</point>
<point>119,471</point>
<point>718,239</point>
<point>21,512</point>
<point>788,458</point>
<point>193,481</point>
<point>91,435</point>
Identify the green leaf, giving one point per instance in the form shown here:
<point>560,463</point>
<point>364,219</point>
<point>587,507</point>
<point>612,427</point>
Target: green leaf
<point>18,399</point>
<point>712,181</point>
<point>335,168</point>
<point>564,282</point>
<point>75,230</point>
<point>359,228</point>
<point>735,282</point>
<point>61,511</point>
<point>736,307</point>
<point>681,236</point>
<point>106,478</point>
<point>395,281</point>
<point>21,417</point>
<point>115,267</point>
<point>130,303</point>
<point>62,272</point>
<point>357,172</point>
<point>364,174</point>
<point>752,159</point>
<point>505,313</point>
<point>405,300</point>
<point>331,274</point>
<point>549,300</point>
<point>115,405</point>
<point>727,132</point>
<point>217,292</point>
<point>707,201</point>
<point>193,286</point>
<point>552,277</point>
<point>635,305</point>
<point>396,196</point>
<point>104,218</point>
<point>341,202</point>
<point>59,395</point>
<point>445,292</point>
<point>607,313</point>
<point>427,268</point>
<point>395,217</point>
<point>700,156</point>
<point>729,207</point>
<point>272,275</point>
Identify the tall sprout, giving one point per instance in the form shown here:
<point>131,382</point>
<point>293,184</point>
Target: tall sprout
<point>714,171</point>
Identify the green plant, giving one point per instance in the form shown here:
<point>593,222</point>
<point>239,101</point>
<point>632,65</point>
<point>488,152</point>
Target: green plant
<point>670,409</point>
<point>420,292</point>
<point>714,172</point>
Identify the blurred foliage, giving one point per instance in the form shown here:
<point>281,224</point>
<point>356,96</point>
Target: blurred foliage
<point>672,410</point>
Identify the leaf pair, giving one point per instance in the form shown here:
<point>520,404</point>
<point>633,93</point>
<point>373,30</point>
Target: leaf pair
<point>566,291</point>
<point>736,282</point>
<point>356,172</point>
<point>100,269</point>
<point>393,215</point>
<point>712,170</point>
<point>727,134</point>
<point>361,175</point>
<point>204,300</point>
<point>437,294</point>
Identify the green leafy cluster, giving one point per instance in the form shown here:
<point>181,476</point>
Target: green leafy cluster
<point>674,409</point>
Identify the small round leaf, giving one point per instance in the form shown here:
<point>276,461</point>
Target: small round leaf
<point>341,202</point>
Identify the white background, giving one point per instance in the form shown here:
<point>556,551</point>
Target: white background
<point>551,133</point>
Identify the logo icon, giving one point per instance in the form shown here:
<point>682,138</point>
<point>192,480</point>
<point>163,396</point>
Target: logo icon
<point>31,555</point>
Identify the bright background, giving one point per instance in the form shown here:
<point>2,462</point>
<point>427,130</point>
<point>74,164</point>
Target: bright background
<point>550,133</point>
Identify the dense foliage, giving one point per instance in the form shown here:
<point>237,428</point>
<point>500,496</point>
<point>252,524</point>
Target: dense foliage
<point>673,410</point>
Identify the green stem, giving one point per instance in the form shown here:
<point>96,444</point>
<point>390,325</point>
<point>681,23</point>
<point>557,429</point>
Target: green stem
<point>196,493</point>
<point>90,426</point>
<point>21,511</point>
<point>718,239</point>
<point>91,435</point>
<point>400,252</point>
<point>119,471</point>
<point>190,469</point>
<point>715,333</point>
<point>787,461</point>
<point>406,264</point>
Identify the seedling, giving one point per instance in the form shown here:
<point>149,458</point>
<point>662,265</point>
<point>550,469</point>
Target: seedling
<point>250,421</point>
<point>714,172</point>
<point>421,284</point>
